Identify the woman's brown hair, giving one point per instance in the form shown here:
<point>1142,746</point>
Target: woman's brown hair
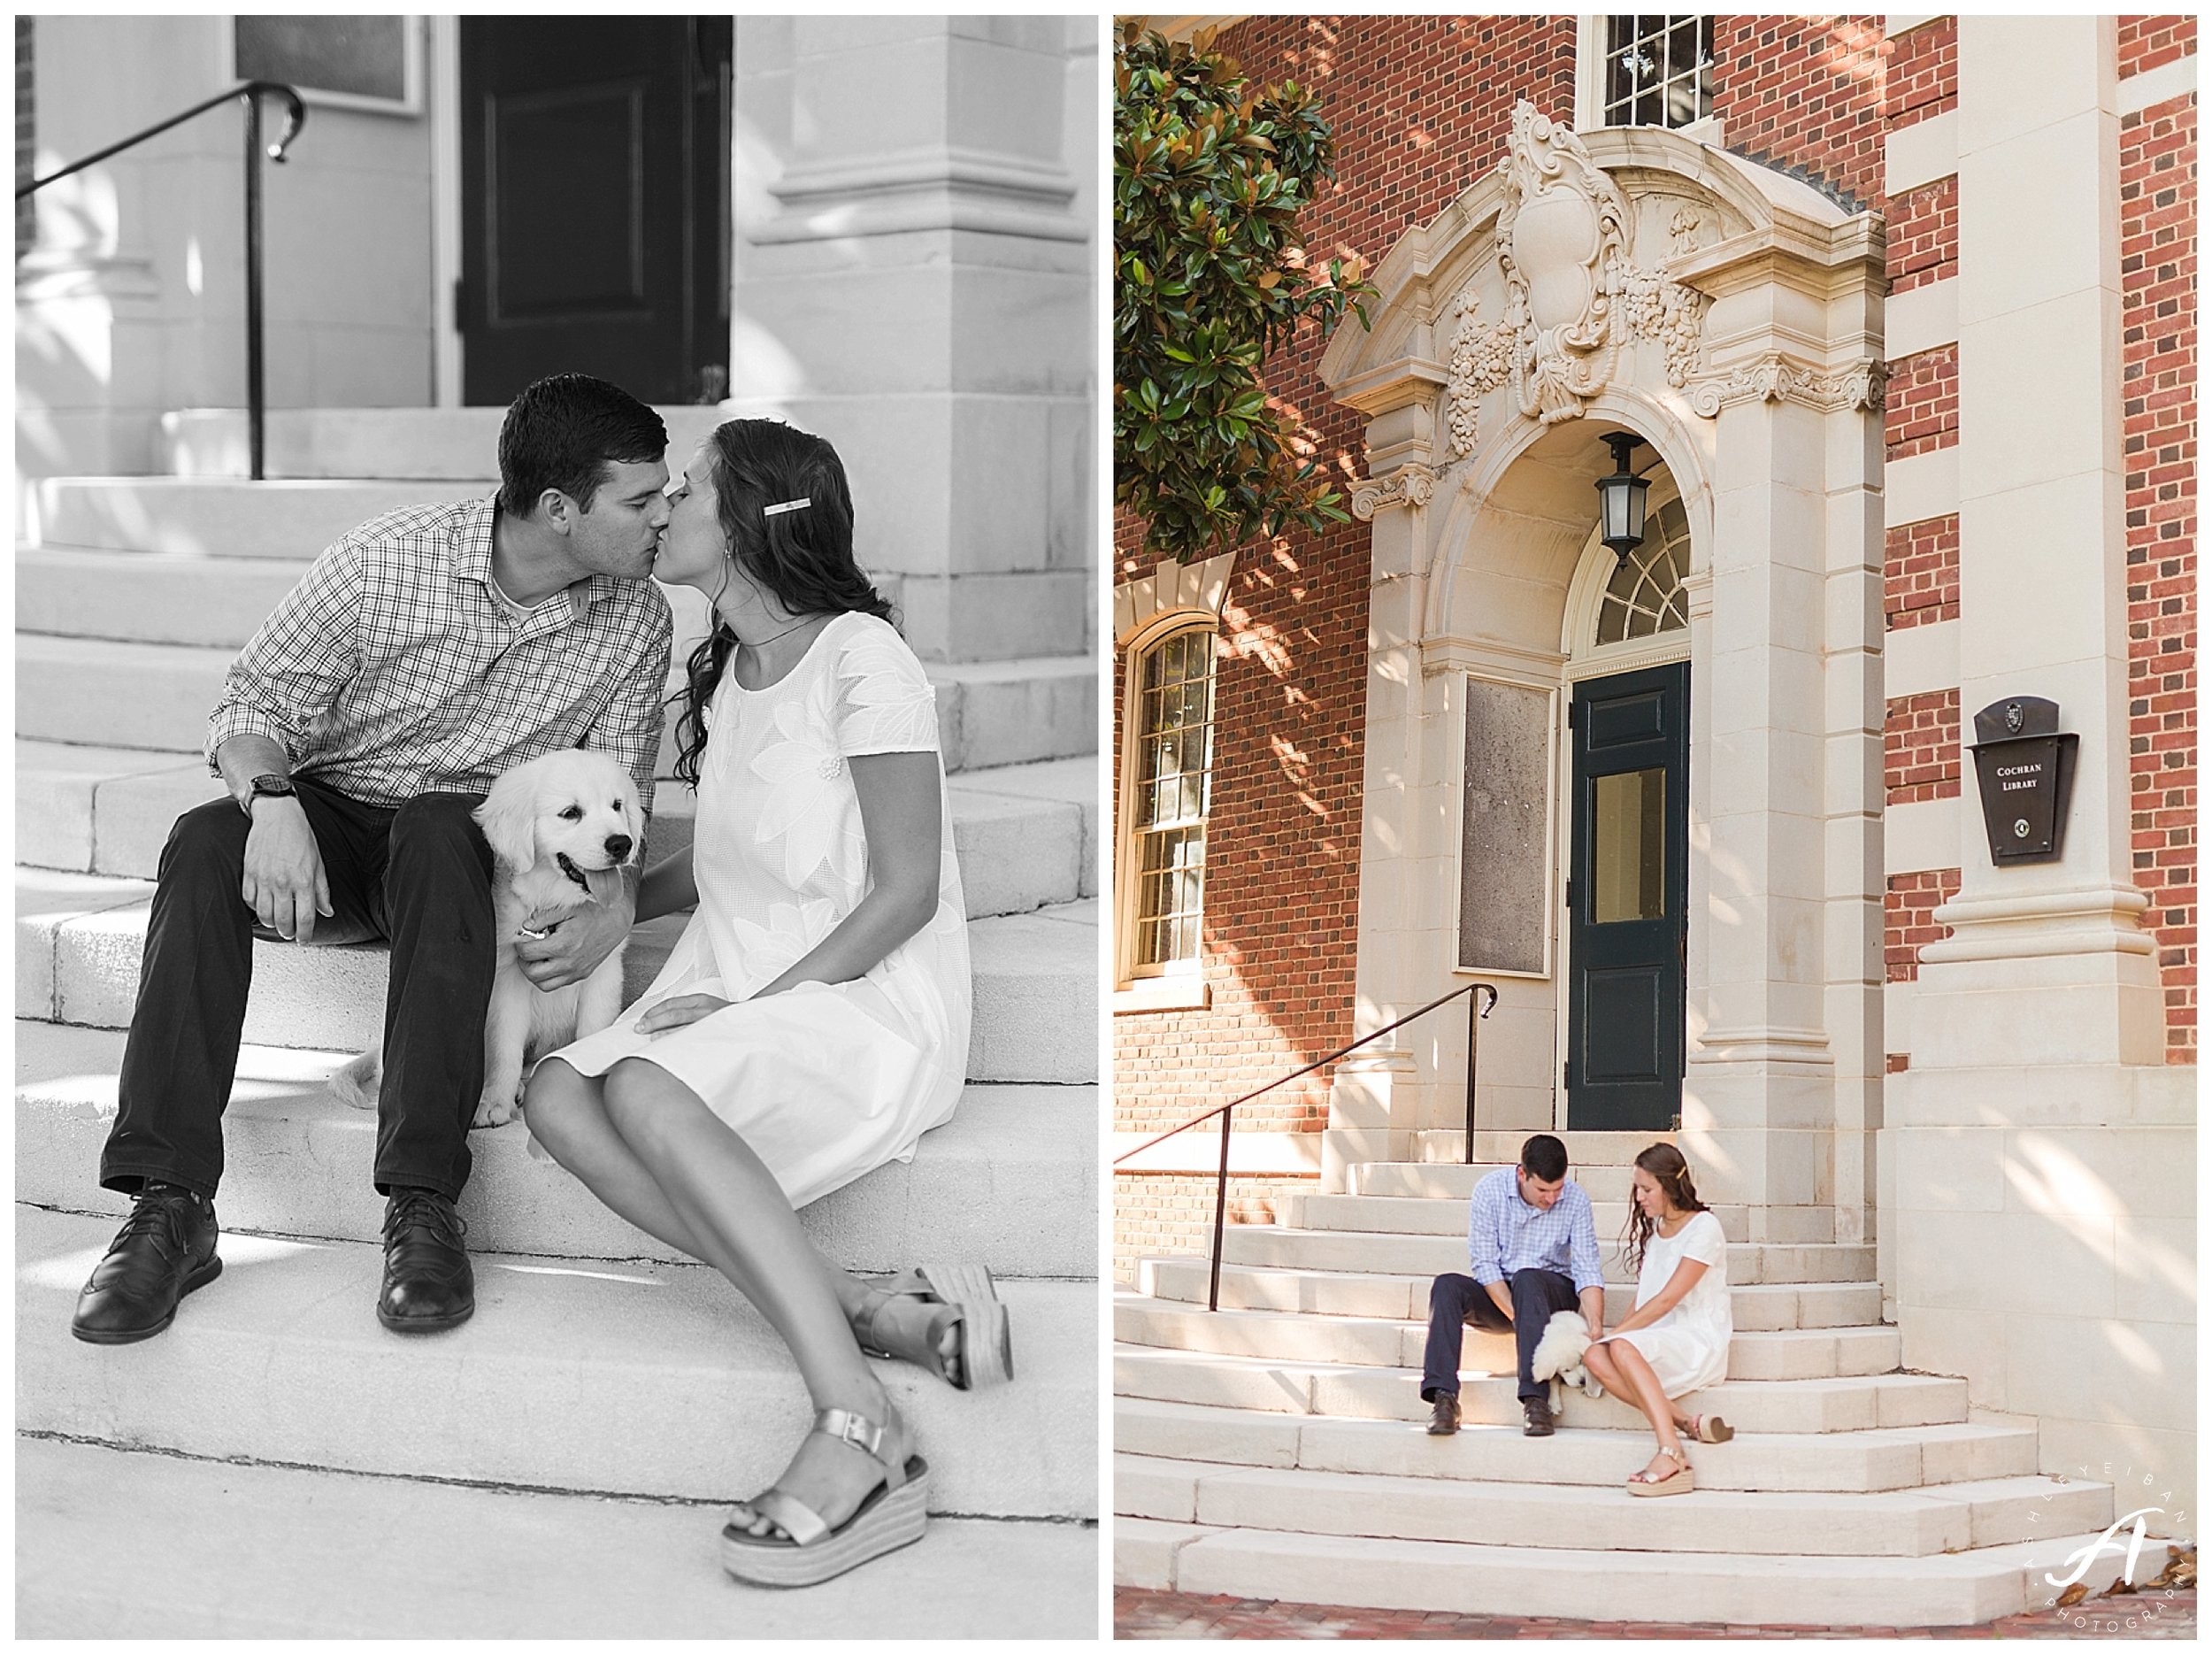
<point>1665,1163</point>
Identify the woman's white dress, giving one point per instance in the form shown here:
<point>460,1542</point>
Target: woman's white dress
<point>1689,1346</point>
<point>826,1082</point>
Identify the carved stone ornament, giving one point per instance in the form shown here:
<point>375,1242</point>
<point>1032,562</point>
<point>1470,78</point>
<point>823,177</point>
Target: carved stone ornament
<point>1408,485</point>
<point>1574,296</point>
<point>1777,378</point>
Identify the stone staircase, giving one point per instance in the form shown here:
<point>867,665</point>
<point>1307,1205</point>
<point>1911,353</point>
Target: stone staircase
<point>1274,1449</point>
<point>583,1431</point>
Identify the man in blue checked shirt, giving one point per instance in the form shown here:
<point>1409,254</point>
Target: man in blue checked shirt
<point>1533,1243</point>
<point>422,655</point>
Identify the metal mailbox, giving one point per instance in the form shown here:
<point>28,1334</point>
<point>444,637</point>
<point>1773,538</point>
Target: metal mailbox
<point>2025,764</point>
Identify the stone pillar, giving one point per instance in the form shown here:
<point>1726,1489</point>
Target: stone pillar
<point>913,281</point>
<point>2040,1153</point>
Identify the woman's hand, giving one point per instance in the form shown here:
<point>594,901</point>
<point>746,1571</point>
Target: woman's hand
<point>676,1013</point>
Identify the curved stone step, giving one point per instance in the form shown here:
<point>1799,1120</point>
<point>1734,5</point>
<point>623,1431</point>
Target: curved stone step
<point>1487,1394</point>
<point>224,517</point>
<point>621,1377</point>
<point>460,443</point>
<point>1813,1591</point>
<point>1845,1307</point>
<point>278,1551</point>
<point>1283,1247</point>
<point>80,941</point>
<point>1898,1523</point>
<point>1428,1215</point>
<point>1899,1456</point>
<point>147,597</point>
<point>1024,841</point>
<point>1011,1181</point>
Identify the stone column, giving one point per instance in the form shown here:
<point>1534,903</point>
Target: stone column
<point>913,281</point>
<point>2041,1152</point>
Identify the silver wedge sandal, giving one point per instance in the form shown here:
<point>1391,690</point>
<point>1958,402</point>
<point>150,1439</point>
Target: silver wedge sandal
<point>968,1298</point>
<point>809,1551</point>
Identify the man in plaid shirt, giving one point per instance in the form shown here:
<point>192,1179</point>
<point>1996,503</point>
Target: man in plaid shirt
<point>422,655</point>
<point>1533,1243</point>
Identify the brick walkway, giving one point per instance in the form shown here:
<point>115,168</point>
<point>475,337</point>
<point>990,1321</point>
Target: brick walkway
<point>1143,1615</point>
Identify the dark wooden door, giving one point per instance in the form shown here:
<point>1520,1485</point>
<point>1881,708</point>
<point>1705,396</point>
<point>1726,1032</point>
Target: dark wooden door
<point>594,192</point>
<point>1628,892</point>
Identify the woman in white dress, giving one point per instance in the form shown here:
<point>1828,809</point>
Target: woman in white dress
<point>811,1023</point>
<point>1676,1339</point>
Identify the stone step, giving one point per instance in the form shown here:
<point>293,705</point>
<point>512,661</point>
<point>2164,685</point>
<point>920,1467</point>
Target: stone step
<point>1026,835</point>
<point>1496,1146</point>
<point>1816,1590</point>
<point>1898,1457</point>
<point>221,517</point>
<point>80,939</point>
<point>1011,1181</point>
<point>278,1551</point>
<point>98,692</point>
<point>1430,1215</point>
<point>1400,1341</point>
<point>1487,1393</point>
<point>1454,1181</point>
<point>1845,1309</point>
<point>1901,1523</point>
<point>460,443</point>
<point>1748,1263</point>
<point>616,1378</point>
<point>147,597</point>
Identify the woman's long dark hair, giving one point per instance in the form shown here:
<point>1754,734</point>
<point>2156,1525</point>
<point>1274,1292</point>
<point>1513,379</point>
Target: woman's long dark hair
<point>1664,1163</point>
<point>804,558</point>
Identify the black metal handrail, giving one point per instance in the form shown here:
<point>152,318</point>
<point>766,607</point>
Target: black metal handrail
<point>295,117</point>
<point>1221,1180</point>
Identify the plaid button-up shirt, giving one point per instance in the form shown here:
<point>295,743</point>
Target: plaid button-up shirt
<point>1505,1232</point>
<point>392,670</point>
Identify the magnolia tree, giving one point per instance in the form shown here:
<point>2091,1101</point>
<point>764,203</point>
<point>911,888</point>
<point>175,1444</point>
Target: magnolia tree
<point>1210,276</point>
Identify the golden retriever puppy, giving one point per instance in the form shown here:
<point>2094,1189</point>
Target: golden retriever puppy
<point>561,828</point>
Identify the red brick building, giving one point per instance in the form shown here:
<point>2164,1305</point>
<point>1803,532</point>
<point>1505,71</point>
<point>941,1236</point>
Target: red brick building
<point>1901,313</point>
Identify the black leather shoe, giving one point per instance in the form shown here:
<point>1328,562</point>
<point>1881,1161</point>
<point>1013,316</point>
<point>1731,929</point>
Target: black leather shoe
<point>1444,1420</point>
<point>165,1249</point>
<point>428,1285</point>
<point>1536,1413</point>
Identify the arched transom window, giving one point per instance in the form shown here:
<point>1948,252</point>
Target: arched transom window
<point>1645,595</point>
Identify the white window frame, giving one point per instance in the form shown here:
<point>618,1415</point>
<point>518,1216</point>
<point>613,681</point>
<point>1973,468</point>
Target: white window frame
<point>1590,85</point>
<point>1180,984</point>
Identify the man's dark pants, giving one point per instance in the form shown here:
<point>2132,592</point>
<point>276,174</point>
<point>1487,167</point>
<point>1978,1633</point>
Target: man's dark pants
<point>418,877</point>
<point>1459,1302</point>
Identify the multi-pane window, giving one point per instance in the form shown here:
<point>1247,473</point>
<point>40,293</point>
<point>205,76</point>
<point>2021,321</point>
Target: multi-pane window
<point>1174,753</point>
<point>1656,72</point>
<point>1645,595</point>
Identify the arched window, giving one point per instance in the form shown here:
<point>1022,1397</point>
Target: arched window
<point>1171,735</point>
<point>1645,595</point>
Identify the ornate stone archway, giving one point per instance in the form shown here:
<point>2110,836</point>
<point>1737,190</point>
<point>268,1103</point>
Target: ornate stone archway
<point>1730,316</point>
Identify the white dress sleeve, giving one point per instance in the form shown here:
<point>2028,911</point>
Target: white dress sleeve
<point>884,703</point>
<point>1703,1241</point>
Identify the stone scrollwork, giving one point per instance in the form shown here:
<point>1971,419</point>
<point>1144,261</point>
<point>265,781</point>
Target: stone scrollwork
<point>1777,378</point>
<point>1408,485</point>
<point>1482,360</point>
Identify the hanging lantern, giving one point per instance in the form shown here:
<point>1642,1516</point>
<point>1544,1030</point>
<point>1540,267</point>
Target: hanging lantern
<point>1621,497</point>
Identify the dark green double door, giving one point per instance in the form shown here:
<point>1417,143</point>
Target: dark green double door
<point>1627,898</point>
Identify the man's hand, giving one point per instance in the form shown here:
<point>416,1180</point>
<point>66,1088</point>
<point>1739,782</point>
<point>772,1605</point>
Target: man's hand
<point>575,939</point>
<point>284,881</point>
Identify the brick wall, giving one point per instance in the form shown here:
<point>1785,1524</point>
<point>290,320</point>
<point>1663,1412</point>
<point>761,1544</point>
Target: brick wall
<point>1161,1214</point>
<point>1920,572</point>
<point>1793,93</point>
<point>26,137</point>
<point>1923,72</point>
<point>1924,234</point>
<point>2158,210</point>
<point>1920,747</point>
<point>1920,408</point>
<point>1906,904</point>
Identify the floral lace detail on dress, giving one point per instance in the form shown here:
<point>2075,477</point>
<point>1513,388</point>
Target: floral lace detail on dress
<point>885,702</point>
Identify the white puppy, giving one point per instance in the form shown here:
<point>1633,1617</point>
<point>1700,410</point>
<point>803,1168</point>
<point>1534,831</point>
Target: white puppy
<point>561,828</point>
<point>1558,1354</point>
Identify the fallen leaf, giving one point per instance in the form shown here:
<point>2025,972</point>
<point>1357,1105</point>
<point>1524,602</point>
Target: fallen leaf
<point>2072,1595</point>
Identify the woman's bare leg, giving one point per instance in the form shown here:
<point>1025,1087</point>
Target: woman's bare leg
<point>1636,1383</point>
<point>567,1113</point>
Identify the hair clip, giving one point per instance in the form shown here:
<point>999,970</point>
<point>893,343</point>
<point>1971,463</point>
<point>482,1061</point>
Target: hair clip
<point>787,505</point>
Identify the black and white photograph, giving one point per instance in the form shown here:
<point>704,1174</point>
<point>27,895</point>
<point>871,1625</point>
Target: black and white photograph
<point>557,825</point>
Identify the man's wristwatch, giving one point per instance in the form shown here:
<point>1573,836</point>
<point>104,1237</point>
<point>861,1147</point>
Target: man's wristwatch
<point>269,787</point>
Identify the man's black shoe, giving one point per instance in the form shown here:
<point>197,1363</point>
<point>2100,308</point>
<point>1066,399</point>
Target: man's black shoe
<point>165,1249</point>
<point>428,1285</point>
<point>1444,1419</point>
<point>1537,1412</point>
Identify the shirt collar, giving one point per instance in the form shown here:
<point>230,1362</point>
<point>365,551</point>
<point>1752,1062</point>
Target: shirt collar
<point>473,558</point>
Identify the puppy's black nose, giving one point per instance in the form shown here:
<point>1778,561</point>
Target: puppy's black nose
<point>619,846</point>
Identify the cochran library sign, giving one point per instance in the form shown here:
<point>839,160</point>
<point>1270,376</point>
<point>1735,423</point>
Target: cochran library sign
<point>2025,764</point>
